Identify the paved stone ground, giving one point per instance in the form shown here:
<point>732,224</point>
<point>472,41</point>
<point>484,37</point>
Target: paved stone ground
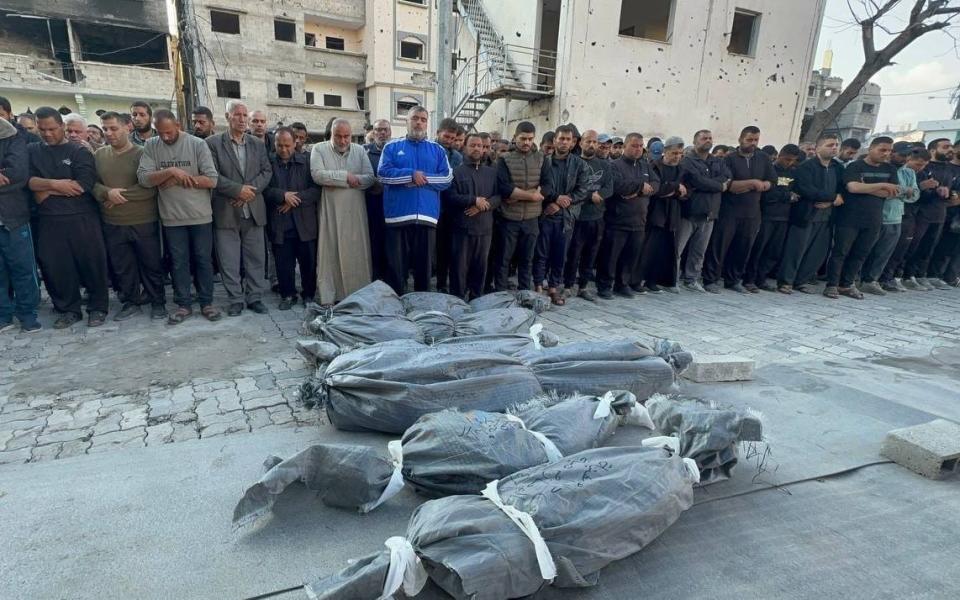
<point>143,383</point>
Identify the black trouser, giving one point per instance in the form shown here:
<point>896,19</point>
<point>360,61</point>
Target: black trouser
<point>946,258</point>
<point>805,250</point>
<point>72,255</point>
<point>287,255</point>
<point>376,226</point>
<point>925,238</point>
<point>468,263</point>
<point>582,252</point>
<point>766,252</point>
<point>444,241</point>
<point>136,259</point>
<point>191,246</point>
<point>519,237</point>
<point>895,265</point>
<point>851,246</point>
<point>658,260</point>
<point>619,253</point>
<point>729,249</point>
<point>410,247</point>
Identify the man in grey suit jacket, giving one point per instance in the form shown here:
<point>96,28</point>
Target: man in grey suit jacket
<point>239,212</point>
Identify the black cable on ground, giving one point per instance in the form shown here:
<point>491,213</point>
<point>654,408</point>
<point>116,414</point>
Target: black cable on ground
<point>276,593</point>
<point>789,483</point>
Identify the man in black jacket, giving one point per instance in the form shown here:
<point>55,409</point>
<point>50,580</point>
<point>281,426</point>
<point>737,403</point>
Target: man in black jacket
<point>739,218</point>
<point>931,212</point>
<point>706,177</point>
<point>625,219</point>
<point>561,207</point>
<point>19,293</point>
<point>656,270</point>
<point>775,216</point>
<point>588,230</point>
<point>382,133</point>
<point>818,182</point>
<point>292,198</point>
<point>470,201</point>
<point>72,253</point>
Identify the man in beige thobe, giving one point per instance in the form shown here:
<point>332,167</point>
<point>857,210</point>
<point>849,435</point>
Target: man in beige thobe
<point>343,246</point>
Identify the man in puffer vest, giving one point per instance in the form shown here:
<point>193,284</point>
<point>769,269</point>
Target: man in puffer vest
<point>413,171</point>
<point>522,175</point>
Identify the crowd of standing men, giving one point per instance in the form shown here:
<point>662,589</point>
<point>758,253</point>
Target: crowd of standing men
<point>135,200</point>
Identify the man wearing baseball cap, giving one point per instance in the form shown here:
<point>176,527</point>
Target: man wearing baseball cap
<point>604,143</point>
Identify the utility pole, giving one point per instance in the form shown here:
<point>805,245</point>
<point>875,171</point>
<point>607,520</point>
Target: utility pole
<point>194,73</point>
<point>444,59</point>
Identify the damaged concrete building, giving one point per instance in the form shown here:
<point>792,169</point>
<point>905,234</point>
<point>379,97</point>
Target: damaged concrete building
<point>661,67</point>
<point>86,55</point>
<point>313,60</point>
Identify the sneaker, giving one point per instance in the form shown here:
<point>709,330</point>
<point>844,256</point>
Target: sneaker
<point>924,284</point>
<point>712,288</point>
<point>872,287</point>
<point>752,288</point>
<point>954,283</point>
<point>605,294</point>
<point>235,309</point>
<point>740,288</point>
<point>587,295</point>
<point>830,291</point>
<point>889,286</point>
<point>850,292</point>
<point>785,289</point>
<point>638,290</point>
<point>285,304</point>
<point>938,283</point>
<point>158,311</point>
<point>897,282</point>
<point>569,291</point>
<point>672,289</point>
<point>694,286</point>
<point>97,318</point>
<point>129,309</point>
<point>66,320</point>
<point>806,288</point>
<point>769,286</point>
<point>625,292</point>
<point>31,327</point>
<point>7,326</point>
<point>654,289</point>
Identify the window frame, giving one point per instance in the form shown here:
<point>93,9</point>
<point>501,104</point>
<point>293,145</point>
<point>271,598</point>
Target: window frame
<point>289,87</point>
<point>337,96</point>
<point>754,32</point>
<point>671,17</point>
<point>293,38</point>
<point>326,43</point>
<point>221,83</point>
<point>412,40</point>
<point>310,98</point>
<point>229,14</point>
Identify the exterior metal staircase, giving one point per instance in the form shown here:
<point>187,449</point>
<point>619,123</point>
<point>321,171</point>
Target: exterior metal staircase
<point>498,70</point>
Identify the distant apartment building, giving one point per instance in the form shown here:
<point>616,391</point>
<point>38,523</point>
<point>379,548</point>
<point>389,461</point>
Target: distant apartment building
<point>85,55</point>
<point>660,67</point>
<point>314,60</point>
<point>858,119</point>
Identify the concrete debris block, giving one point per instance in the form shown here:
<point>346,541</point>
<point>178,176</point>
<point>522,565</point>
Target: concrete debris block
<point>931,449</point>
<point>711,368</point>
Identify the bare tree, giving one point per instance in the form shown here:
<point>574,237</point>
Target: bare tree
<point>925,16</point>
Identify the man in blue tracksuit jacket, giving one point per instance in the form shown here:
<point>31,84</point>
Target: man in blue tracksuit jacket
<point>413,171</point>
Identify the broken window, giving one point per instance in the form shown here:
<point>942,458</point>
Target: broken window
<point>284,90</point>
<point>650,19</point>
<point>335,43</point>
<point>332,100</point>
<point>411,49</point>
<point>743,34</point>
<point>310,39</point>
<point>404,104</point>
<point>227,88</point>
<point>121,45</point>
<point>362,99</point>
<point>224,22</point>
<point>284,31</point>
<point>868,109</point>
<point>310,98</point>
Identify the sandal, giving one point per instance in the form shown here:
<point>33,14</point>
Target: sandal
<point>211,312</point>
<point>179,315</point>
<point>557,298</point>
